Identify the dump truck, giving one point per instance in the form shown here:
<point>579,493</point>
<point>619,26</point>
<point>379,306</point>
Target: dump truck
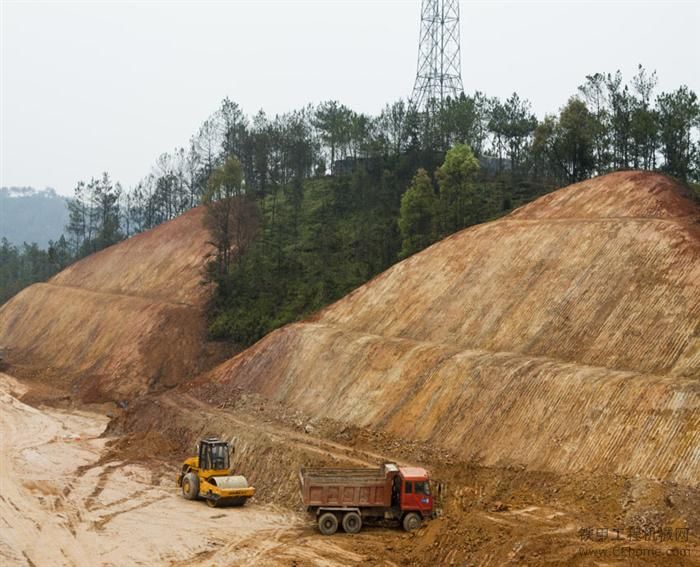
<point>208,476</point>
<point>347,496</point>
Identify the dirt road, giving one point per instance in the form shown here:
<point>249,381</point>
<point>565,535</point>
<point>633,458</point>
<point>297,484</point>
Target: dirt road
<point>58,506</point>
<point>64,501</point>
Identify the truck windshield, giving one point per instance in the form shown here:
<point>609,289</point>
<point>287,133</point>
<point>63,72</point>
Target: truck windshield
<point>422,487</point>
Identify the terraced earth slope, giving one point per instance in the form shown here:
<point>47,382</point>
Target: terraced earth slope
<point>120,322</point>
<point>564,337</point>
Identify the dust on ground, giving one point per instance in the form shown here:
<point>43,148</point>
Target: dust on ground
<point>488,515</point>
<point>71,495</point>
<point>61,503</point>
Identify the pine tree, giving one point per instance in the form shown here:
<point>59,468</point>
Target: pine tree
<point>418,215</point>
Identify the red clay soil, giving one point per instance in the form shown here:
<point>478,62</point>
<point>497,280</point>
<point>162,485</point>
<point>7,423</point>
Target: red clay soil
<point>543,367</point>
<point>164,264</point>
<point>631,194</point>
<point>118,323</point>
<point>487,515</point>
<point>564,337</point>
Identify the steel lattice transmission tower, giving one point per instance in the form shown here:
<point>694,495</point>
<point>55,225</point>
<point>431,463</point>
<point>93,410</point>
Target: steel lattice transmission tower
<point>439,72</point>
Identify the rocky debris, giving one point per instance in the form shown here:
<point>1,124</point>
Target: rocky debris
<point>499,506</point>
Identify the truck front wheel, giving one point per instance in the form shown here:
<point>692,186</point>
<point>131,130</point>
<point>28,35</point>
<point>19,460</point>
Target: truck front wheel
<point>411,521</point>
<point>328,523</point>
<point>352,522</point>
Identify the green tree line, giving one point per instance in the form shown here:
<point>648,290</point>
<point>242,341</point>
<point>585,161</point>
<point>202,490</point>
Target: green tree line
<point>318,200</point>
<point>607,125</point>
<point>21,266</point>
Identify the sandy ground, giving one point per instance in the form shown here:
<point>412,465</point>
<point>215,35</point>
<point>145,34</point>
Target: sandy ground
<point>60,505</point>
<point>65,501</point>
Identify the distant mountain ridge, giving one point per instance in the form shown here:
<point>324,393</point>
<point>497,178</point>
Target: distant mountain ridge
<point>32,215</point>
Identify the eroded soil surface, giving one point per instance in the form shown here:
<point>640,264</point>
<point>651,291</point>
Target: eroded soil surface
<point>61,503</point>
<point>71,495</point>
<point>544,367</point>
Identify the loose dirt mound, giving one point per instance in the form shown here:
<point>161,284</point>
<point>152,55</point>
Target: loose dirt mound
<point>120,322</point>
<point>564,337</point>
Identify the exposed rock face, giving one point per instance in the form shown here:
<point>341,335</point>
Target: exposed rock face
<point>119,322</point>
<point>565,337</point>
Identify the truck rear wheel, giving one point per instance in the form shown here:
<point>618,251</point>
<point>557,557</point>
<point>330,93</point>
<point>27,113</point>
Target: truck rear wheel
<point>190,486</point>
<point>352,522</point>
<point>411,521</point>
<point>328,523</point>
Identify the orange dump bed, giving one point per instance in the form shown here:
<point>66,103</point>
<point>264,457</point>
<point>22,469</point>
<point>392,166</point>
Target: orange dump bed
<point>347,487</point>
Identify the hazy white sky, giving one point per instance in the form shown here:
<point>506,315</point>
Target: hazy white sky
<point>88,87</point>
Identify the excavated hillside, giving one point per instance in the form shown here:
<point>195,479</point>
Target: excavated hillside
<point>564,337</point>
<point>120,322</point>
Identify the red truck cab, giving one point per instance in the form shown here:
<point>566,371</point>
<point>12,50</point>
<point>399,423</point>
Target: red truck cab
<point>415,490</point>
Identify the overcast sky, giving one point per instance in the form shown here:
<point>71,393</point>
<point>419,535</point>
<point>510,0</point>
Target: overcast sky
<point>89,87</point>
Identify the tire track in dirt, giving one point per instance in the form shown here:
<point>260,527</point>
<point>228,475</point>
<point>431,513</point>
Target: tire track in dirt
<point>60,505</point>
<point>360,457</point>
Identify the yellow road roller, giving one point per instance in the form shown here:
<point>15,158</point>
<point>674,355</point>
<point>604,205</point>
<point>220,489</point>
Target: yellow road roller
<point>208,476</point>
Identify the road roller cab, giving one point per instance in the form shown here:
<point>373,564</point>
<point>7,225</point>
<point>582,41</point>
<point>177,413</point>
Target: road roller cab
<point>208,476</point>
